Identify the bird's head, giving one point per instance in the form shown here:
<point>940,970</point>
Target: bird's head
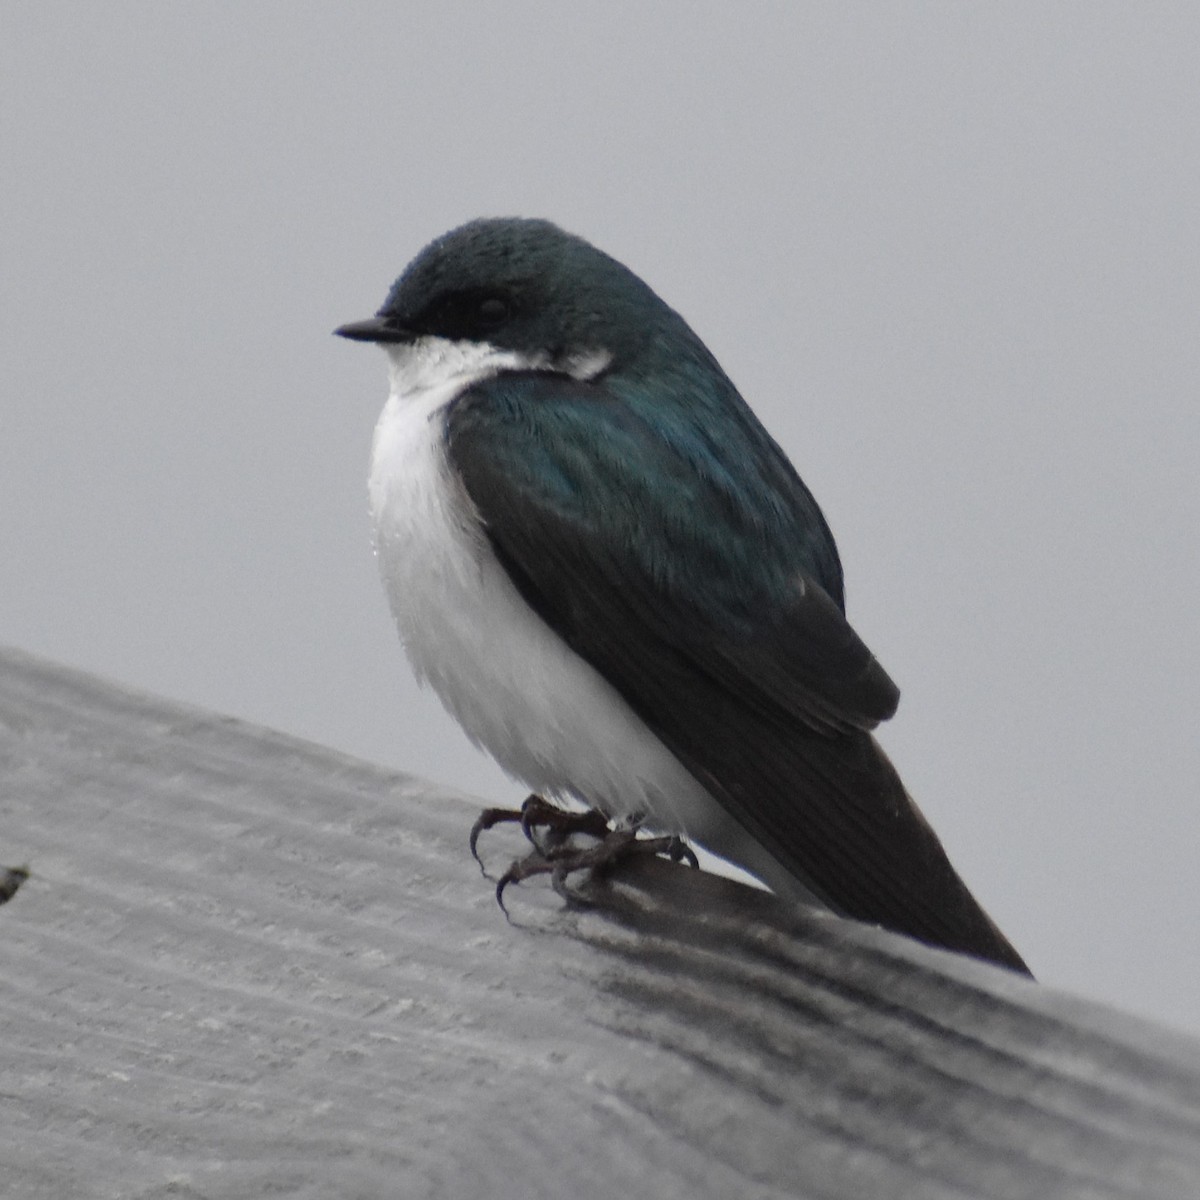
<point>544,298</point>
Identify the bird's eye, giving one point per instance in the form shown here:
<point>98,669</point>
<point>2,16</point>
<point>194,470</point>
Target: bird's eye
<point>492,311</point>
<point>467,314</point>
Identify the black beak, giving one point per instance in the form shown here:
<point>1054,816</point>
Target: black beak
<point>375,329</point>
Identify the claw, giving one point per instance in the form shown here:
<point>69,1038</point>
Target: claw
<point>535,810</point>
<point>521,868</point>
<point>485,821</point>
<point>501,884</point>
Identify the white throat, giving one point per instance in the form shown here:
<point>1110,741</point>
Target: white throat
<point>436,362</point>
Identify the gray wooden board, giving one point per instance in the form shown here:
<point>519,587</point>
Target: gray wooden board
<point>245,965</point>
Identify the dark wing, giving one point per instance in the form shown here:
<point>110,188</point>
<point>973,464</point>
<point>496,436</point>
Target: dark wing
<point>685,570</point>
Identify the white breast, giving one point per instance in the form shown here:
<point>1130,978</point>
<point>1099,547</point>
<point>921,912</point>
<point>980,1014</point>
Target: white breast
<point>518,691</point>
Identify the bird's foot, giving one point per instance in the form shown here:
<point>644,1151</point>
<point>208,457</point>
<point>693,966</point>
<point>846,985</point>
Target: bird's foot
<point>544,824</point>
<point>616,846</point>
<point>551,831</point>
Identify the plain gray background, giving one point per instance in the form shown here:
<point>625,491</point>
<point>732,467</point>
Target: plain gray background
<point>947,251</point>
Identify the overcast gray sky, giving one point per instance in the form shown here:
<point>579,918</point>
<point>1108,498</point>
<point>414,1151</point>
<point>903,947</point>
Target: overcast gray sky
<point>949,253</point>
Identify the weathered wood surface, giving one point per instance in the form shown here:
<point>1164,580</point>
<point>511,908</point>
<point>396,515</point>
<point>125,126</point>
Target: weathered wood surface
<point>245,965</point>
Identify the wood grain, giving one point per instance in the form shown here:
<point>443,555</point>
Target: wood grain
<point>244,965</point>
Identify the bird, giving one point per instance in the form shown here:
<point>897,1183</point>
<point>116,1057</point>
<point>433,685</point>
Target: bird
<point>617,583</point>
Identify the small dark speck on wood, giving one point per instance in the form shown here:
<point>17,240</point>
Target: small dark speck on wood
<point>11,879</point>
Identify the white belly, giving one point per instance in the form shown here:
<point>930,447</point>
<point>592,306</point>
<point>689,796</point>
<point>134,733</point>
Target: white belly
<point>546,716</point>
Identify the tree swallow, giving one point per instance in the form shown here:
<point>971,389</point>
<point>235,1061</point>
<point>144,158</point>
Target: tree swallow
<point>617,583</point>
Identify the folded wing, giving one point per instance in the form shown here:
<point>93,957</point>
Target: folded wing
<point>699,578</point>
